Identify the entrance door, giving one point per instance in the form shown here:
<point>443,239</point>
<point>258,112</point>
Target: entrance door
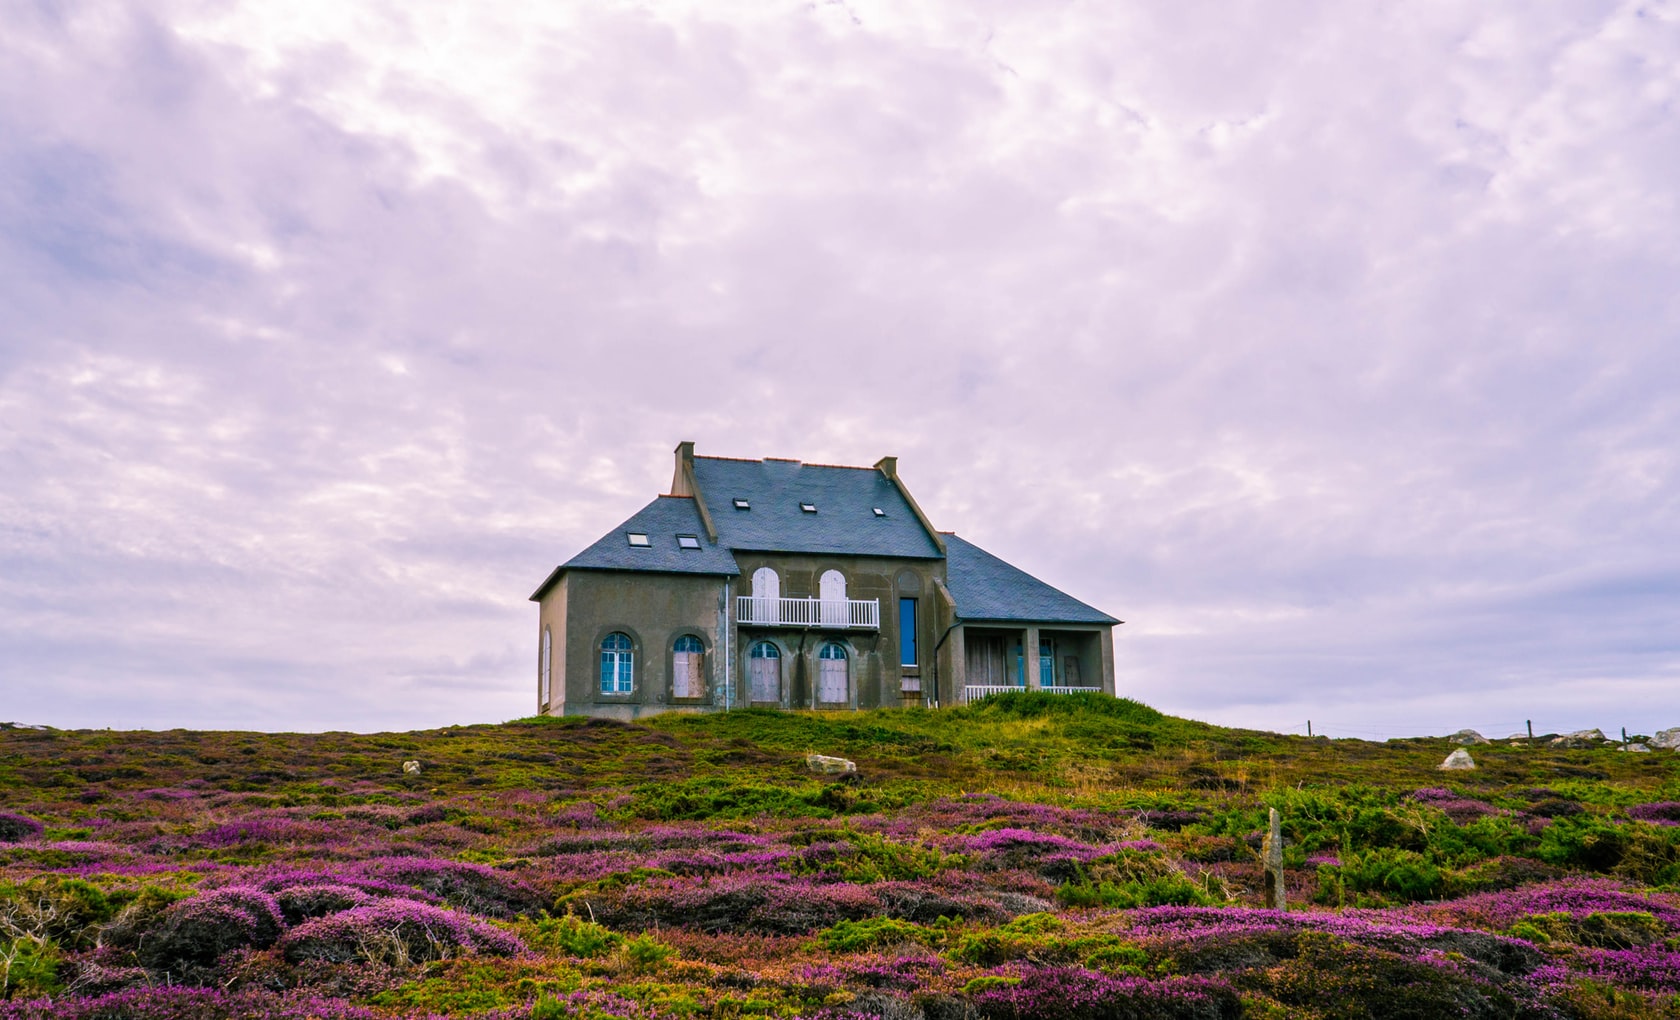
<point>765,674</point>
<point>832,688</point>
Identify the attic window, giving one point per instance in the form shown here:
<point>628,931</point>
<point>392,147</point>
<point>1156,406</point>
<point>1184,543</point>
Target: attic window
<point>879,512</point>
<point>638,539</point>
<point>688,541</point>
<point>742,504</point>
<point>809,508</point>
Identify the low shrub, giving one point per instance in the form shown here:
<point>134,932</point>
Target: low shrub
<point>1613,929</point>
<point>1334,978</point>
<point>195,932</point>
<point>17,828</point>
<point>28,968</point>
<point>1378,876</point>
<point>473,887</point>
<point>873,933</point>
<point>396,932</point>
<point>572,936</point>
<point>302,902</point>
<point>1076,994</point>
<point>1583,841</point>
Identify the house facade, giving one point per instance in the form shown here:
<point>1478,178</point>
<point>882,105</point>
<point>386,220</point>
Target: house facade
<point>773,583</point>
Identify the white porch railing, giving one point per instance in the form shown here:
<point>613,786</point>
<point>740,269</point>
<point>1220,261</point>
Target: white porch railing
<point>974,692</point>
<point>851,614</point>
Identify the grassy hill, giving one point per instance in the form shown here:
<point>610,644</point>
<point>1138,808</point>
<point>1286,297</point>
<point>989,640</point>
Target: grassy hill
<point>1030,855</point>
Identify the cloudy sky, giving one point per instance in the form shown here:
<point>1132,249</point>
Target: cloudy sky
<point>1335,346</point>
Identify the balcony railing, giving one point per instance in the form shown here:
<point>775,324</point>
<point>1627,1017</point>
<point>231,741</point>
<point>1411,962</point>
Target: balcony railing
<point>974,692</point>
<point>851,614</point>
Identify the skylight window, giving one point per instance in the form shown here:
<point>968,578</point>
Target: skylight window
<point>638,540</point>
<point>742,504</point>
<point>879,512</point>
<point>809,508</point>
<point>688,541</point>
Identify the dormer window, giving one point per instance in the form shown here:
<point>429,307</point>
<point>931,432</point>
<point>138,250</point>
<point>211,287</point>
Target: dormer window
<point>688,541</point>
<point>741,503</point>
<point>879,512</point>
<point>809,508</point>
<point>638,540</point>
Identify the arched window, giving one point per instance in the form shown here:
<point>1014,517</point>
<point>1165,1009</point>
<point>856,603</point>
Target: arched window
<point>544,688</point>
<point>686,677</point>
<point>832,686</point>
<point>766,593</point>
<point>831,596</point>
<point>617,664</point>
<point>765,667</point>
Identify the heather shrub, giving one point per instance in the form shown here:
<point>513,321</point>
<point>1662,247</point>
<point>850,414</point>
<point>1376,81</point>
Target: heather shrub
<point>1611,929</point>
<point>1342,979</point>
<point>472,887</point>
<point>1665,812</point>
<point>177,1003</point>
<point>196,931</point>
<point>301,902</point>
<point>731,903</point>
<point>873,933</point>
<point>397,932</point>
<point>17,828</point>
<point>1076,994</point>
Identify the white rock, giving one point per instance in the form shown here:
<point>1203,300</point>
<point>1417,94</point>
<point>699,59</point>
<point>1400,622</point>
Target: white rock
<point>1637,747</point>
<point>1469,738</point>
<point>411,768</point>
<point>827,765</point>
<point>1667,739</point>
<point>1580,738</point>
<point>1459,759</point>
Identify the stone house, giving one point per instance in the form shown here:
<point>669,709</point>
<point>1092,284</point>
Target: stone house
<point>780,584</point>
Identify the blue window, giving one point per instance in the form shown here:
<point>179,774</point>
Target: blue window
<point>618,663</point>
<point>907,632</point>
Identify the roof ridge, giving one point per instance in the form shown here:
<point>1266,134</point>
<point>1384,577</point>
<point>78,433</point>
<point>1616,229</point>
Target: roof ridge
<point>786,460</point>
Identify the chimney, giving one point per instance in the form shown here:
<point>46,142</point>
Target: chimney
<point>682,482</point>
<point>888,466</point>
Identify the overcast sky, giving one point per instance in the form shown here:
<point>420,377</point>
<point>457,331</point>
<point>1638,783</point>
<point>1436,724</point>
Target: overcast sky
<point>1334,346</point>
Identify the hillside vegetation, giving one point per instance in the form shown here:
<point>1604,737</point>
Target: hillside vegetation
<point>1028,856</point>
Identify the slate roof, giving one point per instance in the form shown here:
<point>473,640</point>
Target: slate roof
<point>844,523</point>
<point>661,521</point>
<point>987,588</point>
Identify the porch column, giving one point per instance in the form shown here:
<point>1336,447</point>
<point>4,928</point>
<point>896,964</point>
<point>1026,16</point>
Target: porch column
<point>1029,655</point>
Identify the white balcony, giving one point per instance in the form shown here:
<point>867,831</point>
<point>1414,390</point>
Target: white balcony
<point>847,614</point>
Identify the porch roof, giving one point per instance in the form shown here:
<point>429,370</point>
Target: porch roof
<point>986,589</point>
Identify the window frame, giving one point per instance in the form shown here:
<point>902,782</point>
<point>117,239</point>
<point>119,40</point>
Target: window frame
<point>909,648</point>
<point>623,665</point>
<point>646,540</point>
